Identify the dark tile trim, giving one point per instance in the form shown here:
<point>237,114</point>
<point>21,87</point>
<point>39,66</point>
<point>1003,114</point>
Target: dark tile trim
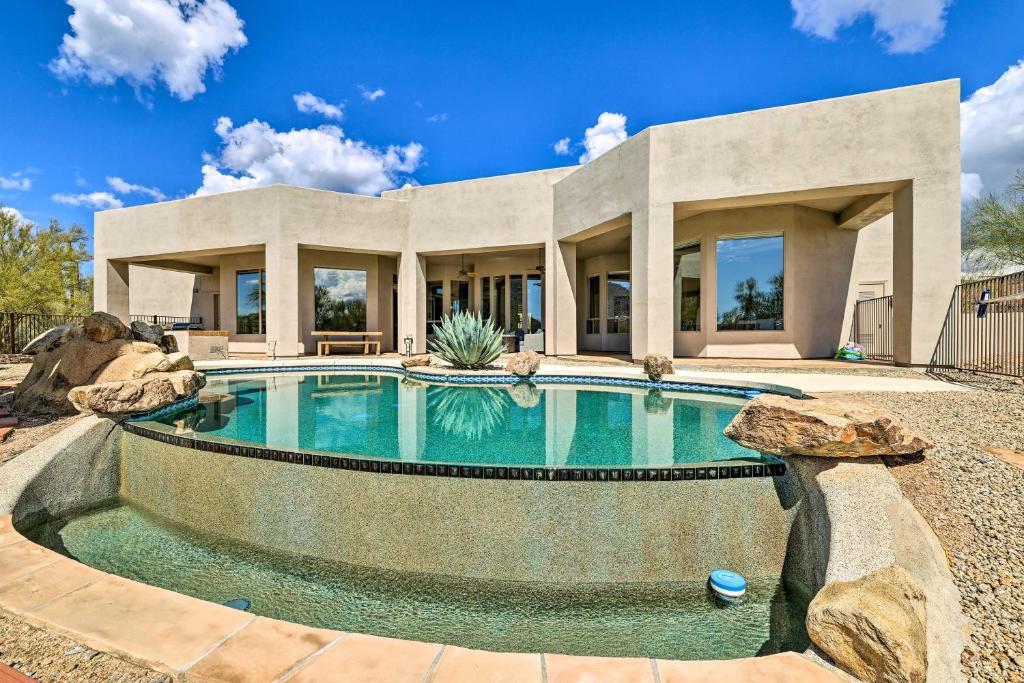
<point>769,468</point>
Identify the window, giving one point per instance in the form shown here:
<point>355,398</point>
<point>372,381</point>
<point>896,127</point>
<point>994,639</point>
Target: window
<point>686,285</point>
<point>515,296</point>
<point>594,304</point>
<point>535,301</point>
<point>499,301</point>
<point>750,283</point>
<point>618,302</point>
<point>435,305</point>
<point>460,295</point>
<point>250,302</point>
<point>339,300</point>
<point>485,297</point>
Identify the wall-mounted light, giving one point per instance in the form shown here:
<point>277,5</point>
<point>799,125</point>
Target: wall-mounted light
<point>408,345</point>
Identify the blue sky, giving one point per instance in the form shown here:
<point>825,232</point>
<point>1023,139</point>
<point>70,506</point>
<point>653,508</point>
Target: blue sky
<point>113,102</point>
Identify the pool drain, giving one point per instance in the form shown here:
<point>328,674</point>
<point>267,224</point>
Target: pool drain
<point>239,604</point>
<point>726,585</point>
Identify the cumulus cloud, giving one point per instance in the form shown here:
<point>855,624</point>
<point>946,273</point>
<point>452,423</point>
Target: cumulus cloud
<point>342,284</point>
<point>121,186</point>
<point>308,103</point>
<point>609,131</point>
<point>992,134</point>
<point>561,147</point>
<point>144,42</point>
<point>371,94</point>
<point>15,181</point>
<point>91,200</point>
<point>256,155</point>
<point>904,26</point>
<point>11,211</point>
<point>438,118</point>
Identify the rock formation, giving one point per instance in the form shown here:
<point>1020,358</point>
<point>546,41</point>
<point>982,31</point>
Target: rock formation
<point>827,427</point>
<point>657,366</point>
<point>114,372</point>
<point>873,627</point>
<point>418,361</point>
<point>524,363</point>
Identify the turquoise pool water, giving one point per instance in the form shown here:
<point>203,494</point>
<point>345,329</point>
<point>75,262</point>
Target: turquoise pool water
<point>384,416</point>
<point>670,620</point>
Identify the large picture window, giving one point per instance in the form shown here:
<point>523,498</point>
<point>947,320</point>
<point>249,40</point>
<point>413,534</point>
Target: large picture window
<point>750,283</point>
<point>618,302</point>
<point>339,299</point>
<point>686,287</point>
<point>250,302</point>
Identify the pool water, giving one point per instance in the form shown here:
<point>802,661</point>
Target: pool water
<point>384,416</point>
<point>667,620</point>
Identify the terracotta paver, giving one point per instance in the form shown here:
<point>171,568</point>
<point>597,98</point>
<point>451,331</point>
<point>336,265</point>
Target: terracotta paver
<point>6,432</point>
<point>9,675</point>
<point>459,665</point>
<point>157,627</point>
<point>567,669</point>
<point>788,667</point>
<point>360,658</point>
<point>261,652</point>
<point>18,559</point>
<point>48,583</point>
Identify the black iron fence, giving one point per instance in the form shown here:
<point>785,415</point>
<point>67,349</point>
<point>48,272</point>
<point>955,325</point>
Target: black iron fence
<point>18,329</point>
<point>169,321</point>
<point>872,327</point>
<point>984,328</point>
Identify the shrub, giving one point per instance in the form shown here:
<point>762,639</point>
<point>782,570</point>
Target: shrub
<point>467,341</point>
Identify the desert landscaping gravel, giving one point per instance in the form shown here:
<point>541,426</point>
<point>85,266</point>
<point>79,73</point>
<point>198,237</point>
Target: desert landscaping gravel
<point>973,501</point>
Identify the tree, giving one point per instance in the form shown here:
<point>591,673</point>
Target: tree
<point>40,268</point>
<point>994,228</point>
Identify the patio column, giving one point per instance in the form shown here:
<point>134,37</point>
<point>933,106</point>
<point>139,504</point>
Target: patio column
<point>651,281</point>
<point>110,288</point>
<point>412,301</point>
<point>282,273</point>
<point>926,264</point>
<point>560,297</point>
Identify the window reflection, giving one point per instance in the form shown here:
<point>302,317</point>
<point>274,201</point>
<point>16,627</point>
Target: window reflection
<point>750,283</point>
<point>686,283</point>
<point>339,299</point>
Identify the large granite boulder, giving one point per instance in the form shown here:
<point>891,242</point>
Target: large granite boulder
<point>657,365</point>
<point>100,351</point>
<point>417,361</point>
<point>47,340</point>
<point>169,344</point>
<point>524,363</point>
<point>873,627</point>
<point>141,395</point>
<point>143,331</point>
<point>826,427</point>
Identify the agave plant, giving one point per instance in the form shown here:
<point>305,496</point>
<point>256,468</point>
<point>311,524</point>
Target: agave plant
<point>467,341</point>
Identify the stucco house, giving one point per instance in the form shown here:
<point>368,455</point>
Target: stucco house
<point>749,235</point>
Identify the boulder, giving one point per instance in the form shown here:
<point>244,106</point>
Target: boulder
<point>131,365</point>
<point>47,341</point>
<point>524,394</point>
<point>873,627</point>
<point>657,365</point>
<point>169,344</point>
<point>656,403</point>
<point>143,331</point>
<point>102,327</point>
<point>143,395</point>
<point>524,363</point>
<point>826,427</point>
<point>422,360</point>
<point>179,361</point>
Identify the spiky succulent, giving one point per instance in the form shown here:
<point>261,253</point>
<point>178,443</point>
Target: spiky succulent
<point>467,341</point>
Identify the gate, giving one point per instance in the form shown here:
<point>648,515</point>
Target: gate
<point>872,327</point>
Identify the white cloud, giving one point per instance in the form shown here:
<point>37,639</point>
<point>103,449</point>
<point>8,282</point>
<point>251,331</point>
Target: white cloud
<point>148,41</point>
<point>256,155</point>
<point>992,134</point>
<point>438,118</point>
<point>14,212</point>
<point>92,200</point>
<point>371,95</point>
<point>121,186</point>
<point>609,131</point>
<point>561,147</point>
<point>904,26</point>
<point>308,103</point>
<point>15,181</point>
<point>342,284</point>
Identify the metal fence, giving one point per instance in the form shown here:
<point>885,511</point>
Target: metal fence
<point>18,329</point>
<point>167,321</point>
<point>872,327</point>
<point>984,328</point>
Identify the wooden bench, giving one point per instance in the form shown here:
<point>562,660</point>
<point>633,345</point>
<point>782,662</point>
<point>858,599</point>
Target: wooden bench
<point>364,339</point>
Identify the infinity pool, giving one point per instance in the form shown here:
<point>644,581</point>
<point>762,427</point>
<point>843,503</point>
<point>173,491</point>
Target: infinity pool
<point>383,416</point>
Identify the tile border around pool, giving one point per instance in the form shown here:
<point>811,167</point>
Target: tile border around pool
<point>504,472</point>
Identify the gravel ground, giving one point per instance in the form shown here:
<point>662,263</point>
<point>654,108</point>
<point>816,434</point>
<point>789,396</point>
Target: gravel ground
<point>972,499</point>
<point>31,429</point>
<point>47,657</point>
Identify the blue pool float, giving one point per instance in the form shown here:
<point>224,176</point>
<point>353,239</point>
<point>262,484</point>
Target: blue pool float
<point>727,585</point>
